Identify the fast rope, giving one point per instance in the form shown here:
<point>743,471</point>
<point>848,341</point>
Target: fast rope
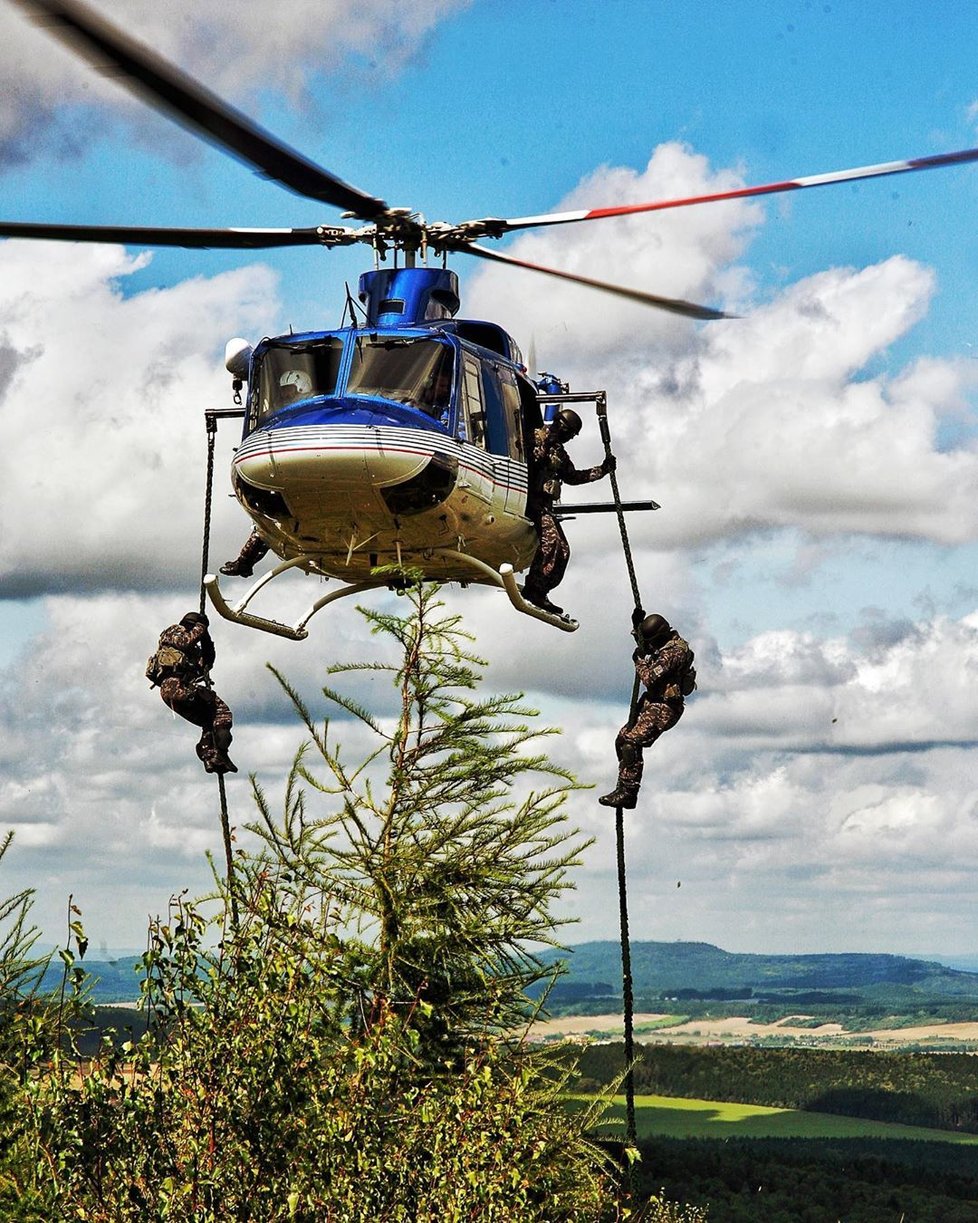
<point>628,1002</point>
<point>211,418</point>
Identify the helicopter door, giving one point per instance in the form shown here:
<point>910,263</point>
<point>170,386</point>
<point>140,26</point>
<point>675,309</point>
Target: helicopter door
<point>472,429</point>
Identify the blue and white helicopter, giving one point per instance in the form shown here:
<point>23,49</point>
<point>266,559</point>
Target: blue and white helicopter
<point>404,439</point>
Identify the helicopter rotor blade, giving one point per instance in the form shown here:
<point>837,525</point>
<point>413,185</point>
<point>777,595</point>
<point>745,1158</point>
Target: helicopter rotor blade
<point>189,239</point>
<point>672,304</point>
<point>169,89</point>
<point>495,227</point>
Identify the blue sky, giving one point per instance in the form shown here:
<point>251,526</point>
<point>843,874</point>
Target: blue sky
<point>815,461</point>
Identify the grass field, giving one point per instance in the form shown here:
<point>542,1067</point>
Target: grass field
<point>670,1117</point>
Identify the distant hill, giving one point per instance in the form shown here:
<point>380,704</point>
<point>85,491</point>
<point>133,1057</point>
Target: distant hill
<point>701,970</point>
<point>115,980</point>
<point>680,971</point>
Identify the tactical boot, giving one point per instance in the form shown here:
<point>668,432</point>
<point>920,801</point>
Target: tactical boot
<point>237,569</point>
<point>621,796</point>
<point>541,601</point>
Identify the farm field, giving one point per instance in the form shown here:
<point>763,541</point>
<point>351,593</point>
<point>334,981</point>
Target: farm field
<point>652,1027</point>
<point>672,1117</point>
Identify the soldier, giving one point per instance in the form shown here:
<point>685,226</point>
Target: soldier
<point>183,658</point>
<point>551,465</point>
<point>664,664</point>
<point>252,551</point>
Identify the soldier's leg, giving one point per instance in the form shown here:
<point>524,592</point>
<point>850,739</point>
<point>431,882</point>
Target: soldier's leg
<point>184,700</point>
<point>220,738</point>
<point>252,551</point>
<point>548,564</point>
<point>652,720</point>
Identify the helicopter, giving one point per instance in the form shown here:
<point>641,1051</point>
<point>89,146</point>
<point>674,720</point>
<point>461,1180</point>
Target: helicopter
<point>404,440</point>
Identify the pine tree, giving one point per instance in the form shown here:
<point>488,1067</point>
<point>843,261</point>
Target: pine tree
<point>443,857</point>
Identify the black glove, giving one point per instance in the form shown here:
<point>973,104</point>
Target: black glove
<point>609,464</point>
<point>638,615</point>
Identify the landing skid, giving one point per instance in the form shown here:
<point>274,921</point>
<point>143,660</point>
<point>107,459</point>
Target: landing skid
<point>504,578</point>
<point>297,631</point>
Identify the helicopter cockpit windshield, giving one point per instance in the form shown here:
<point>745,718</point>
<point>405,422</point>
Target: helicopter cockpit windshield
<point>417,372</point>
<point>288,372</point>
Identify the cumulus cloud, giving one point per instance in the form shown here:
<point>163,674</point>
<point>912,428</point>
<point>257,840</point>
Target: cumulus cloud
<point>769,421</point>
<point>104,397</point>
<point>826,780</point>
<point>269,48</point>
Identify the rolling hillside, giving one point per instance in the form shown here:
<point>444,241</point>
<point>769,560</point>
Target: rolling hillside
<point>689,971</point>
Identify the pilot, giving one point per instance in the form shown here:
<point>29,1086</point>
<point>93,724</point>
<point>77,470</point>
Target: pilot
<point>664,664</point>
<point>551,465</point>
<point>180,667</point>
<point>252,551</point>
<point>436,394</point>
<point>294,384</point>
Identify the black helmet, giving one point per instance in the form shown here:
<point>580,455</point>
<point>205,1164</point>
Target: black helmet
<point>568,422</point>
<point>654,628</point>
<point>192,618</point>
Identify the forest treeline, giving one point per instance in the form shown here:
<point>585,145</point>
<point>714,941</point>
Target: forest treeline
<point>935,1090</point>
<point>802,1180</point>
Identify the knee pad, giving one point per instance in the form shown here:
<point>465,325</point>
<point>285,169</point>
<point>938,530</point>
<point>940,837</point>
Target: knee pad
<point>222,737</point>
<point>629,753</point>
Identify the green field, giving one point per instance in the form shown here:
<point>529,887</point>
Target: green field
<point>671,1117</point>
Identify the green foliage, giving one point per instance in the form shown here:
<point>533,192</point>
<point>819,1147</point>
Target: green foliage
<point>32,1030</point>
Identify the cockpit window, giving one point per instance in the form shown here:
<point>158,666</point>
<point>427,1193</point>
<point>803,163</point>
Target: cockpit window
<point>417,372</point>
<point>289,372</point>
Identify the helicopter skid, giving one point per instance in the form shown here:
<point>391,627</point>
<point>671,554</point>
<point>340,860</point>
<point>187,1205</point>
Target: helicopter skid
<point>295,632</point>
<point>505,578</point>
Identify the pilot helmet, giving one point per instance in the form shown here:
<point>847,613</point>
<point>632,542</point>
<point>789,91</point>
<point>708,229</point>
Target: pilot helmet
<point>298,380</point>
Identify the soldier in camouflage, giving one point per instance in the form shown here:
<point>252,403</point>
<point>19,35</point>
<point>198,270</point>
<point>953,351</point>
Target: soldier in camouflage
<point>664,664</point>
<point>550,467</point>
<point>180,666</point>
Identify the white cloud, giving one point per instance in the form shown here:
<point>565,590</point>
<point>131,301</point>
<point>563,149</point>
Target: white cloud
<point>744,425</point>
<point>103,462</point>
<point>270,48</point>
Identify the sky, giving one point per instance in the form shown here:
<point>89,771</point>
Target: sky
<point>815,457</point>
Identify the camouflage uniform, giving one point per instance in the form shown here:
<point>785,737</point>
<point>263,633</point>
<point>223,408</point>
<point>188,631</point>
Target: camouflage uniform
<point>252,551</point>
<point>185,693</point>
<point>550,467</point>
<point>659,709</point>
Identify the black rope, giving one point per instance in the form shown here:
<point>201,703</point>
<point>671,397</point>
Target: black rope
<point>208,501</point>
<point>627,997</point>
<point>211,419</point>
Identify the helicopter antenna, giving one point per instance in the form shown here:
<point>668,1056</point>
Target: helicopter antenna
<point>352,306</point>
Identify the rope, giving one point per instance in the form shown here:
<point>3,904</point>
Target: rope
<point>627,997</point>
<point>211,420</point>
<point>208,501</point>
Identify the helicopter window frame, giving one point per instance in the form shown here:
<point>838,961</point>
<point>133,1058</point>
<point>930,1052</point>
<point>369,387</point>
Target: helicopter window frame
<point>288,373</point>
<point>424,381</point>
<point>473,401</point>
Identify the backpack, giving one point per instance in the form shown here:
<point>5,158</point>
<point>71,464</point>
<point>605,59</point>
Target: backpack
<point>687,681</point>
<point>166,661</point>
